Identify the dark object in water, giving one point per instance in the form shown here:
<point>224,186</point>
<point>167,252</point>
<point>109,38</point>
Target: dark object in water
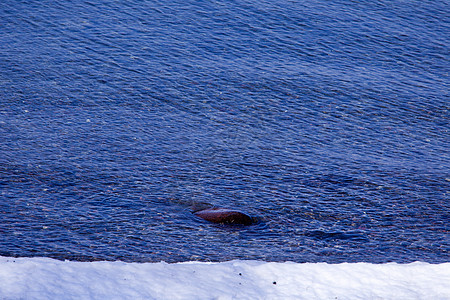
<point>224,216</point>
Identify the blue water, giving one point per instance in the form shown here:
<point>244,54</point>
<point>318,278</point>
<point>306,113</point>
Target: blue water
<point>327,121</point>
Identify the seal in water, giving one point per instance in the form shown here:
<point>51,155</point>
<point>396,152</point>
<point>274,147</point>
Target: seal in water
<point>224,216</point>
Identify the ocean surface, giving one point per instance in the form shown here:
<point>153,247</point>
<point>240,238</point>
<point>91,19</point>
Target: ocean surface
<point>326,121</point>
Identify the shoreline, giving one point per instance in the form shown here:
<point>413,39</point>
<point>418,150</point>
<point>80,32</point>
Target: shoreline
<point>46,278</point>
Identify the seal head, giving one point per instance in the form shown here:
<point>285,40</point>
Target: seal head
<point>224,216</point>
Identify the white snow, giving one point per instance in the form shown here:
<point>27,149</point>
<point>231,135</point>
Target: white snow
<point>45,278</point>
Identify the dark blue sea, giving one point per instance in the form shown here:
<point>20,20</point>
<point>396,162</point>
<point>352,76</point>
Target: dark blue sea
<point>326,121</point>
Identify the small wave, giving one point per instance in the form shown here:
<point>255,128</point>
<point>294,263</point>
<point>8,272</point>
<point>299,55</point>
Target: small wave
<point>322,235</point>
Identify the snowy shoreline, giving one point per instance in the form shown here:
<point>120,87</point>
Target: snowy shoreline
<point>45,278</point>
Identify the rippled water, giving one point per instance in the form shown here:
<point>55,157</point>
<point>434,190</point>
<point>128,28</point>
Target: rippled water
<point>325,120</point>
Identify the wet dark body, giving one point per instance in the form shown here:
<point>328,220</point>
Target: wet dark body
<point>224,216</point>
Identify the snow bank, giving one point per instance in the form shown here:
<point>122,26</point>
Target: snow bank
<point>44,278</point>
